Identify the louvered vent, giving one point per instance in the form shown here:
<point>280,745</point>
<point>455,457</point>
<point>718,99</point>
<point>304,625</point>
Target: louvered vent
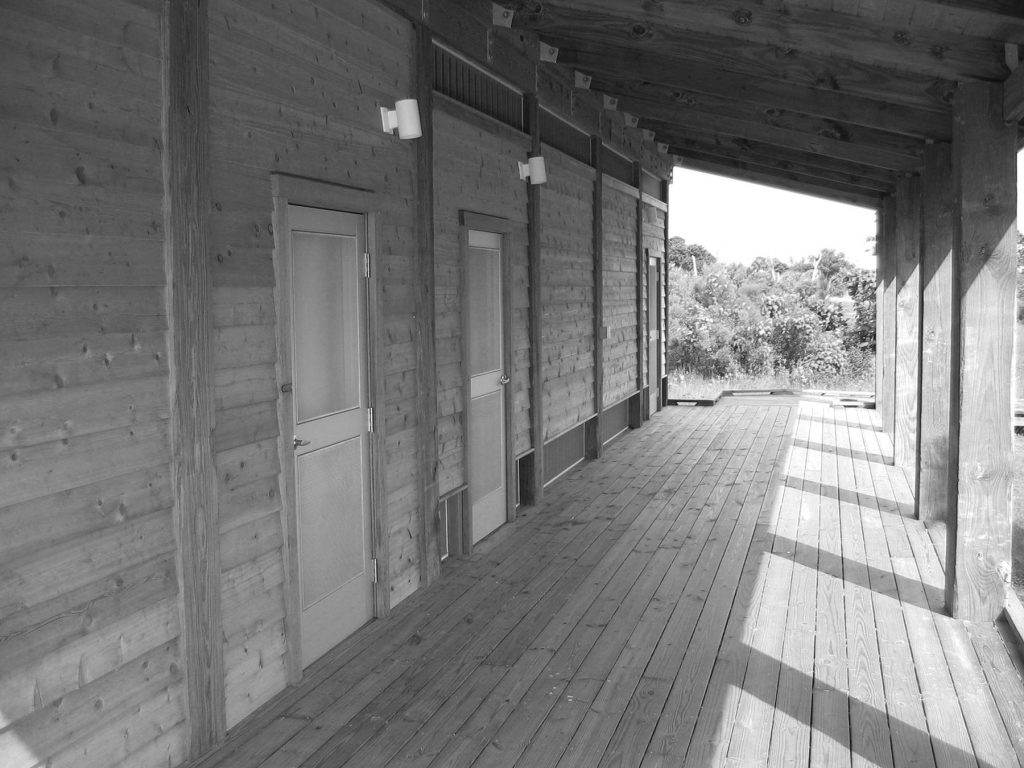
<point>565,137</point>
<point>466,83</point>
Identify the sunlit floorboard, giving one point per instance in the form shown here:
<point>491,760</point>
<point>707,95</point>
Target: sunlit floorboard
<point>736,585</point>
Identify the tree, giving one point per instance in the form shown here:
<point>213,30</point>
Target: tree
<point>694,258</point>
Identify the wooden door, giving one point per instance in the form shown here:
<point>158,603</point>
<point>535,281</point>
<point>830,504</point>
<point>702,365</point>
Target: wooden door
<point>330,404</point>
<point>654,333</point>
<point>487,380</point>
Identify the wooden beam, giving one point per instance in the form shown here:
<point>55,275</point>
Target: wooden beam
<point>933,472</point>
<point>641,299</point>
<point>886,343</point>
<point>668,109</point>
<point>682,78</point>
<point>788,172</point>
<point>536,308</point>
<point>855,56</point>
<point>992,19</point>
<point>595,445</point>
<point>984,167</point>
<point>426,358</point>
<point>1013,96</point>
<point>777,158</point>
<point>726,128</point>
<point>810,31</point>
<point>908,320</point>
<point>733,171</point>
<point>187,256</point>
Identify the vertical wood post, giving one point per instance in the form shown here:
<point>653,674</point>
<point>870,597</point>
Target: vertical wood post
<point>984,242</point>
<point>663,348</point>
<point>536,310</point>
<point>886,339</point>
<point>908,320</point>
<point>186,248</point>
<point>879,313</point>
<point>643,412</point>
<point>426,365</point>
<point>594,442</point>
<point>933,472</point>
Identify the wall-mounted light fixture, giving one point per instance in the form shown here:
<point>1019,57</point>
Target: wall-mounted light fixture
<point>534,170</point>
<point>405,118</point>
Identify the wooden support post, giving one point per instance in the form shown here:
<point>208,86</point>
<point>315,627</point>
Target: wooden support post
<point>886,331</point>
<point>426,366</point>
<point>908,320</point>
<point>594,442</point>
<point>984,242</point>
<point>536,310</point>
<point>638,414</point>
<point>933,472</point>
<point>187,202</point>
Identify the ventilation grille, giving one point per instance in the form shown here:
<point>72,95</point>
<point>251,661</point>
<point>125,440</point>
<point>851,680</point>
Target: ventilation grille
<point>563,453</point>
<point>617,166</point>
<point>565,137</point>
<point>458,79</point>
<point>614,421</point>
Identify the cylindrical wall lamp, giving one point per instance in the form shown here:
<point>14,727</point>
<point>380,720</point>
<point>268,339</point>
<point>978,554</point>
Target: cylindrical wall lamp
<point>405,117</point>
<point>534,170</point>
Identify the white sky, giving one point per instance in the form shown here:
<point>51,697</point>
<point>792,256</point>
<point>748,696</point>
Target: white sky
<point>739,221</point>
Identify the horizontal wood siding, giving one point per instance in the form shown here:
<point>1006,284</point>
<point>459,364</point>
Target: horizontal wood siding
<point>90,670</point>
<point>620,354</point>
<point>475,169</point>
<point>567,292</point>
<point>294,89</point>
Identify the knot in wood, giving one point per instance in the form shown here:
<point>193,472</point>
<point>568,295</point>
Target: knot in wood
<point>742,16</point>
<point>640,32</point>
<point>939,51</point>
<point>901,37</point>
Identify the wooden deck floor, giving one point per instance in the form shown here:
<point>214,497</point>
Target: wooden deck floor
<point>736,585</point>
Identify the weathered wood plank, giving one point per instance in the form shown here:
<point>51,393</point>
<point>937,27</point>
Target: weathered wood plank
<point>908,320</point>
<point>193,474</point>
<point>984,242</point>
<point>934,472</point>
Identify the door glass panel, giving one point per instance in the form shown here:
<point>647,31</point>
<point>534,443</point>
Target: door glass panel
<point>485,432</point>
<point>326,274</point>
<point>329,485</point>
<point>484,283</point>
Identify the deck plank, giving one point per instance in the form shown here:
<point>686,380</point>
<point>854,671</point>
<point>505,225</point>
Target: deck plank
<point>737,585</point>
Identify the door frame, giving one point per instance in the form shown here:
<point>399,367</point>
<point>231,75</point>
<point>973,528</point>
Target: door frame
<point>484,223</point>
<point>655,313</point>
<point>295,190</point>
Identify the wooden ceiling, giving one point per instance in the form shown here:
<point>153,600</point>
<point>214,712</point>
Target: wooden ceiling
<point>832,97</point>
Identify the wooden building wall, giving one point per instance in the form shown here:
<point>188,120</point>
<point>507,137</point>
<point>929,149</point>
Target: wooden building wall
<point>90,671</point>
<point>620,296</point>
<point>567,292</point>
<point>91,660</point>
<point>475,169</point>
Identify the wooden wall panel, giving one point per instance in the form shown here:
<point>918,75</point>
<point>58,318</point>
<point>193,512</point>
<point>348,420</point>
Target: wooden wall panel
<point>295,89</point>
<point>475,169</point>
<point>567,293</point>
<point>620,316</point>
<point>88,588</point>
<point>655,222</point>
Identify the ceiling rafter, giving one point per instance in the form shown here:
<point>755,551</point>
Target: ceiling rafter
<point>932,53</point>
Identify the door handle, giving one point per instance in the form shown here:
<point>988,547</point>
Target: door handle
<point>504,379</point>
<point>297,443</point>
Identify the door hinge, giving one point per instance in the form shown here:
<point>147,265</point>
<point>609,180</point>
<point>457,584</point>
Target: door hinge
<point>369,419</point>
<point>373,573</point>
<point>366,265</point>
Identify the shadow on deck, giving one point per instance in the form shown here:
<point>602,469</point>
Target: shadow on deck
<point>735,585</point>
